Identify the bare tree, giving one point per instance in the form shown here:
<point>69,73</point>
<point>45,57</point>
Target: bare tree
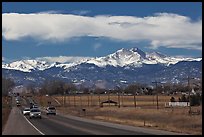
<point>7,85</point>
<point>134,89</point>
<point>31,89</point>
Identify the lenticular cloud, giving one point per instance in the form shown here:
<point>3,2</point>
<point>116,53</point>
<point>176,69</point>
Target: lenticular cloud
<point>162,29</point>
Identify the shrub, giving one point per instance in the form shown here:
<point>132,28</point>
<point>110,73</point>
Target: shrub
<point>172,99</point>
<point>195,100</point>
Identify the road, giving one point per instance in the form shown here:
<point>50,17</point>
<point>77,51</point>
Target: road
<point>69,125</point>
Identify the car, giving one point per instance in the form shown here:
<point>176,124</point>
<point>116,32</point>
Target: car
<point>33,106</point>
<point>35,113</point>
<point>51,110</point>
<point>26,111</point>
<point>17,99</point>
<point>18,104</point>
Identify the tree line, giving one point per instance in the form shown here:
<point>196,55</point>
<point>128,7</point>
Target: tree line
<point>7,85</point>
<point>57,87</point>
<point>52,87</point>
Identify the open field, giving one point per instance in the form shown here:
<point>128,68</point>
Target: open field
<point>125,101</point>
<point>144,114</point>
<point>6,108</point>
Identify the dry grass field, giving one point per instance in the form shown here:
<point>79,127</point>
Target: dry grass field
<point>144,114</point>
<point>5,110</point>
<point>125,101</point>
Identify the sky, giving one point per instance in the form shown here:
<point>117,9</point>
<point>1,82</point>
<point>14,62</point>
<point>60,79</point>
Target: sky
<point>69,31</point>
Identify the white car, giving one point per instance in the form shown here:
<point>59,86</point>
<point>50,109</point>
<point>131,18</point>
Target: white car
<point>35,113</point>
<point>51,110</point>
<point>26,111</point>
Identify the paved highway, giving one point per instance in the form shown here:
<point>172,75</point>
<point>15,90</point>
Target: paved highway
<point>69,125</point>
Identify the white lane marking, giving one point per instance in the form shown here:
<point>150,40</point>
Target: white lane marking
<point>34,126</point>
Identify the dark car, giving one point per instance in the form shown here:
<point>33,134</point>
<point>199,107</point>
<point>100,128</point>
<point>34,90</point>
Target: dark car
<point>51,110</point>
<point>33,106</point>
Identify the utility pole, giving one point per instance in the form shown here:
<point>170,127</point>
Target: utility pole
<point>99,99</point>
<point>74,99</point>
<point>156,82</point>
<point>88,98</point>
<point>118,99</point>
<point>135,99</point>
<point>109,97</point>
<point>118,91</point>
<point>91,99</point>
<point>80,100</point>
<point>189,78</point>
<point>69,99</point>
<point>64,99</point>
<point>122,98</point>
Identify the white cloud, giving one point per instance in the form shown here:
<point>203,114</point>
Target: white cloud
<point>96,46</point>
<point>162,29</point>
<point>6,60</point>
<point>63,59</point>
<point>81,12</point>
<point>50,12</point>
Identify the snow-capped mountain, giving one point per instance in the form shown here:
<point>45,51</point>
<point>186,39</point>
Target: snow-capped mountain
<point>136,57</point>
<point>121,58</point>
<point>122,67</point>
<point>27,65</point>
<point>35,65</point>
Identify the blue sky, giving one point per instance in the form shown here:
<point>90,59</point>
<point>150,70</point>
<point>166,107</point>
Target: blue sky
<point>30,41</point>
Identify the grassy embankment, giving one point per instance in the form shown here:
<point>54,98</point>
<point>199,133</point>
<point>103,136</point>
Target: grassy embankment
<point>145,114</point>
<point>6,109</point>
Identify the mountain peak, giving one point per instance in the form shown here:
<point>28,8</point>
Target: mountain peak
<point>135,49</point>
<point>158,54</point>
<point>121,50</point>
<point>27,65</point>
<point>138,51</point>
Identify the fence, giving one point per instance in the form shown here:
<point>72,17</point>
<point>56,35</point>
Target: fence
<point>122,101</point>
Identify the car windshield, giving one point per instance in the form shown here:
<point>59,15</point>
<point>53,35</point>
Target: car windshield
<point>52,108</point>
<point>27,109</point>
<point>35,110</point>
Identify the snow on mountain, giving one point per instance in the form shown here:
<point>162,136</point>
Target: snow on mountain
<point>122,58</point>
<point>158,58</point>
<point>136,57</point>
<point>68,65</point>
<point>27,65</point>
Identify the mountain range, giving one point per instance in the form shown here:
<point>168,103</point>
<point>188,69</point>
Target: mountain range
<point>121,68</point>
